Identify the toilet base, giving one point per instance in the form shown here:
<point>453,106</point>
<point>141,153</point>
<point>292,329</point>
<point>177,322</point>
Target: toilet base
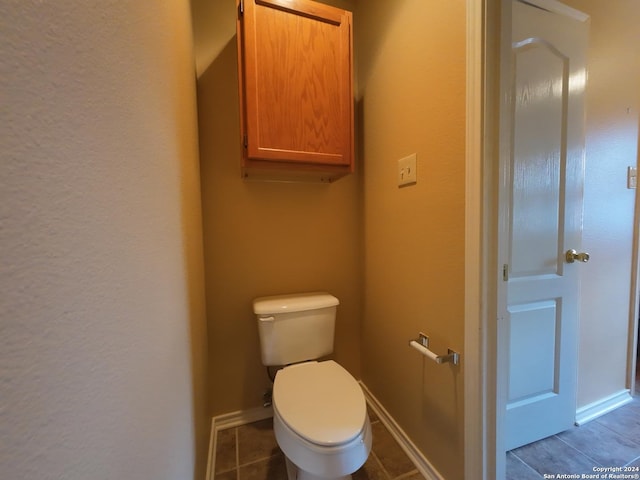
<point>295,473</point>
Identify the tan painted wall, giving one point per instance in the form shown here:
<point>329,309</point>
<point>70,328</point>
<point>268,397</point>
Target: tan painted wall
<point>612,102</point>
<point>265,238</point>
<point>411,75</point>
<point>102,304</point>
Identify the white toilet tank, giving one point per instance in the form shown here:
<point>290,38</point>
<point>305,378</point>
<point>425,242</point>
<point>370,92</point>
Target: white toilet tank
<point>294,328</point>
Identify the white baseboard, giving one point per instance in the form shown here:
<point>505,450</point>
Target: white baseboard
<point>597,409</point>
<point>230,420</point>
<point>235,419</point>
<point>427,470</point>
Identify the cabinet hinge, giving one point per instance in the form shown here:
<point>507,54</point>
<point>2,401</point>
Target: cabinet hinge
<point>505,272</point>
<point>241,7</point>
<point>245,141</point>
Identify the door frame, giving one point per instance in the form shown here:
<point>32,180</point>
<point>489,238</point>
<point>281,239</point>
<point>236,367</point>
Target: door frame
<point>487,22</point>
<point>634,313</point>
<point>488,34</point>
<point>480,444</point>
<point>482,440</point>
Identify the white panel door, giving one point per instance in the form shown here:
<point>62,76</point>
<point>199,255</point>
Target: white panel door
<point>545,217</point>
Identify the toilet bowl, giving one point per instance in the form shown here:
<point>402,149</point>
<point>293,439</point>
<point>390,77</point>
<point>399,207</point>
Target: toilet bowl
<point>320,421</point>
<point>319,411</point>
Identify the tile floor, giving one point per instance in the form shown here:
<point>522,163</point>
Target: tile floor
<point>612,440</point>
<point>250,452</point>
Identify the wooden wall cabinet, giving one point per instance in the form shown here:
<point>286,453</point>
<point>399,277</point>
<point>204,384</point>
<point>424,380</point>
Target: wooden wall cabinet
<point>296,90</point>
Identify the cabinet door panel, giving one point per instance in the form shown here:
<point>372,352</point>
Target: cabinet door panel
<point>297,75</point>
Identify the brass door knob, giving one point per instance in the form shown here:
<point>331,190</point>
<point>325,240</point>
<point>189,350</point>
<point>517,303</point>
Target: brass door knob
<point>572,256</point>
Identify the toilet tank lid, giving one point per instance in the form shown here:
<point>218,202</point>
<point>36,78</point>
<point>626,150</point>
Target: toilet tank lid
<point>297,302</point>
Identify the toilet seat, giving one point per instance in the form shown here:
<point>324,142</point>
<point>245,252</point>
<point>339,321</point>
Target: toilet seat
<point>320,402</point>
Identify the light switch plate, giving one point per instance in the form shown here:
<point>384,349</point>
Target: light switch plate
<point>632,177</point>
<point>407,171</point>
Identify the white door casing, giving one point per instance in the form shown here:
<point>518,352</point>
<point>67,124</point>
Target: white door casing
<point>542,187</point>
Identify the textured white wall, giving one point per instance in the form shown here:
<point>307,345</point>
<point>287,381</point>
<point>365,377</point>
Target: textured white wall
<point>100,241</point>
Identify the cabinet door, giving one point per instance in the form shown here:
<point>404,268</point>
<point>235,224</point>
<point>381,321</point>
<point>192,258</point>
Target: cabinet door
<point>296,84</point>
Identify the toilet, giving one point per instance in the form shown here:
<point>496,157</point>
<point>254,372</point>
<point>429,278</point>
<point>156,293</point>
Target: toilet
<point>319,411</point>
